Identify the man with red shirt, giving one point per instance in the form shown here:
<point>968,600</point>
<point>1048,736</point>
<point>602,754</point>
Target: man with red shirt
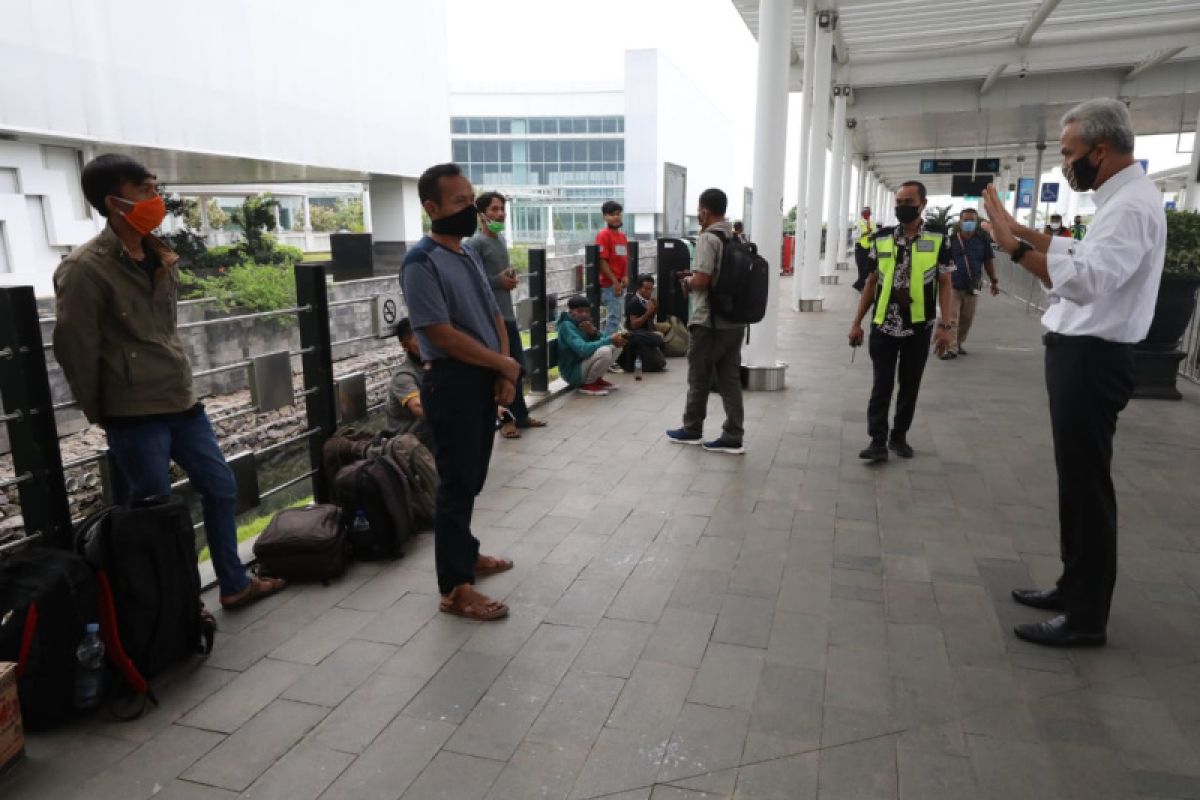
<point>614,266</point>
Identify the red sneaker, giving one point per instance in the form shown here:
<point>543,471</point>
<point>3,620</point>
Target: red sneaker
<point>593,389</point>
<point>612,387</point>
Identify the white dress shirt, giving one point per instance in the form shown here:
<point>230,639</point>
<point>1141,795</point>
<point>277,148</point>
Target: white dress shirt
<point>1106,285</point>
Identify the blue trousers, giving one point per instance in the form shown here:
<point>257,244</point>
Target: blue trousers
<point>142,452</point>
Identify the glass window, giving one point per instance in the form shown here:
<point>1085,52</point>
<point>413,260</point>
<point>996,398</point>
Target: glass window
<point>610,125</point>
<point>490,126</point>
<point>506,153</point>
<point>491,151</point>
<point>535,126</point>
<point>460,152</point>
<point>458,125</point>
<point>551,152</point>
<point>549,125</point>
<point>595,151</point>
<point>595,125</point>
<point>536,152</point>
<point>506,126</point>
<point>476,125</point>
<point>518,127</point>
<point>475,151</point>
<point>610,151</point>
<point>620,124</point>
<point>581,151</point>
<point>581,126</point>
<point>564,125</point>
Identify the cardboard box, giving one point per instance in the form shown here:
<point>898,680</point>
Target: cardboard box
<point>12,733</point>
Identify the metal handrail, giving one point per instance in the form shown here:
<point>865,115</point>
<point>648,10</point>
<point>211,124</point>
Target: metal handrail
<point>24,540</point>
<point>287,484</point>
<point>22,478</point>
<point>286,442</point>
<point>280,312</point>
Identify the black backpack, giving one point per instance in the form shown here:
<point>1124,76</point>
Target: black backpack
<point>740,291</point>
<point>145,559</point>
<point>379,488</point>
<point>303,544</point>
<point>47,597</point>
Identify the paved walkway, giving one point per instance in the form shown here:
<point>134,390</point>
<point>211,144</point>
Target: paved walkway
<point>790,624</point>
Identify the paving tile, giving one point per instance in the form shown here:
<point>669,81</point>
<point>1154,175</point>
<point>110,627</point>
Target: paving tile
<point>585,601</point>
<point>728,676</point>
<point>700,590</point>
<point>787,708</point>
<point>186,790</point>
<point>354,724</point>
<point>548,654</point>
<point>577,711</point>
<point>539,771</point>
<point>178,692</point>
<point>454,691</point>
<point>934,776</point>
<point>641,599</point>
<point>303,774</point>
<point>157,762</point>
<point>620,761</point>
<point>399,622</point>
<point>705,740</point>
<point>392,762</point>
<point>614,647</point>
<point>860,769</point>
<point>799,640</point>
<point>323,636</point>
<point>652,698</point>
<point>341,673</point>
<point>780,779</point>
<point>431,647</point>
<point>1006,769</point>
<point>681,637</point>
<point>58,762</point>
<point>241,758</point>
<point>453,776</point>
<point>745,621</point>
<point>243,697</point>
<point>507,636</point>
<point>495,727</point>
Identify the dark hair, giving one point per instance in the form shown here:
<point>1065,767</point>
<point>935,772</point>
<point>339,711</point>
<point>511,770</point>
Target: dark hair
<point>969,211</point>
<point>1056,216</point>
<point>403,329</point>
<point>920,188</point>
<point>646,278</point>
<point>105,174</point>
<point>429,184</point>
<point>715,201</point>
<point>738,226</point>
<point>484,200</point>
<point>578,301</point>
<point>611,207</point>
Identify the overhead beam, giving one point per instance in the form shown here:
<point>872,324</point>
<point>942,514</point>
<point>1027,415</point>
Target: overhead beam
<point>1153,60</point>
<point>1044,10</point>
<point>991,78</point>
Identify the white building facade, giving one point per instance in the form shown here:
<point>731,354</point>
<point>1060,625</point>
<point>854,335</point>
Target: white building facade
<point>241,93</point>
<point>559,153</point>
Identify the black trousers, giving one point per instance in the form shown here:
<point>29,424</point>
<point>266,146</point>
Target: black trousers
<point>909,353</point>
<point>863,263</point>
<point>518,408</point>
<point>459,402</point>
<point>1089,381</point>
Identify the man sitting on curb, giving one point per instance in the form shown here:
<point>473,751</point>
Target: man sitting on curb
<point>584,355</point>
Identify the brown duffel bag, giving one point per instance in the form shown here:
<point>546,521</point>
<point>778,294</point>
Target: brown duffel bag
<point>303,544</point>
<point>346,446</point>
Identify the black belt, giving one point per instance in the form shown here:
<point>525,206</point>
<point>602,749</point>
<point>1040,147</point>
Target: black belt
<point>1051,339</point>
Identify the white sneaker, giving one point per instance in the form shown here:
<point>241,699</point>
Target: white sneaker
<point>616,369</point>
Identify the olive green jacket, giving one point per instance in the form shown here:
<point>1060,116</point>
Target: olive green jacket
<point>115,336</point>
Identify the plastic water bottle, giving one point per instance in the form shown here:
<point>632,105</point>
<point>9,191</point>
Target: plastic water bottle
<point>361,524</point>
<point>89,672</point>
<point>637,368</point>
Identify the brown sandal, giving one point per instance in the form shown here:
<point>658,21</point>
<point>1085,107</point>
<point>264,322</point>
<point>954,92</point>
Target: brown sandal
<point>491,565</point>
<point>465,602</point>
<point>258,589</point>
<point>509,431</point>
<point>534,423</point>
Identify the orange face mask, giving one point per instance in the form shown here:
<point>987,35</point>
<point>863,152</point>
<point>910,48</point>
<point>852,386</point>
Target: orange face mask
<point>145,215</point>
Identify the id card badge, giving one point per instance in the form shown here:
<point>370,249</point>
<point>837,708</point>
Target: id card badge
<point>924,246</point>
<point>620,249</point>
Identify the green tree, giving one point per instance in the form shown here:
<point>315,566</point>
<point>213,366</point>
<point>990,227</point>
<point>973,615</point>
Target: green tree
<point>343,215</point>
<point>789,222</point>
<point>938,215</point>
<point>255,218</point>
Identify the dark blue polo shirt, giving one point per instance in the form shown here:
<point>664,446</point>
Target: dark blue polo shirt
<point>442,286</point>
<point>976,251</point>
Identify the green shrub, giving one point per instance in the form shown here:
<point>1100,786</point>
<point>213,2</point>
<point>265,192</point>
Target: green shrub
<point>518,258</point>
<point>1183,243</point>
<point>249,287</point>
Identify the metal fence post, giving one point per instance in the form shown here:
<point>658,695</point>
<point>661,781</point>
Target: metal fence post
<point>591,257</point>
<point>632,274</point>
<point>538,355</point>
<point>29,412</point>
<point>317,357</point>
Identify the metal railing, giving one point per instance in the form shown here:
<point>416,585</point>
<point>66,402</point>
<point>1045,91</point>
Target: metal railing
<point>26,403</point>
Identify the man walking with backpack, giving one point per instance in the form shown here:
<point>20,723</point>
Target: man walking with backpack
<point>716,343</point>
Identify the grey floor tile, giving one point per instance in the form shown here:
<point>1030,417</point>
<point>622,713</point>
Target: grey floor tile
<point>303,774</point>
<point>323,636</point>
<point>392,762</point>
<point>745,621</point>
<point>399,622</point>
<point>354,724</point>
<point>652,698</point>
<point>340,673</point>
<point>241,758</point>
<point>680,638</point>
<point>798,640</point>
<point>779,779</point>
<point>548,654</point>
<point>728,676</point>
<point>860,769</point>
<point>539,771</point>
<point>496,726</point>
<point>247,694</point>
<point>157,762</point>
<point>641,599</point>
<point>577,711</point>
<point>705,740</point>
<point>614,647</point>
<point>454,691</point>
<point>453,776</point>
<point>585,601</point>
<point>788,707</point>
<point>620,761</point>
<point>934,776</point>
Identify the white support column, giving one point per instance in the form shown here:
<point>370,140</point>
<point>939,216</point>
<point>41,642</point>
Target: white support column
<point>368,217</point>
<point>806,294</point>
<point>306,209</point>
<point>845,210</point>
<point>1191,198</point>
<point>1006,179</point>
<point>860,190</point>
<point>205,223</point>
<point>833,211</point>
<point>1037,185</point>
<point>770,132</point>
<point>810,35</point>
<point>868,198</point>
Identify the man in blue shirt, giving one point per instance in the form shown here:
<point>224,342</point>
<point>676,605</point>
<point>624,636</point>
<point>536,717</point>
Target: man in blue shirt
<point>462,337</point>
<point>971,250</point>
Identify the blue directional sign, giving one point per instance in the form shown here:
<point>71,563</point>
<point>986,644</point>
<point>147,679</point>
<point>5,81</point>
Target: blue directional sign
<point>1171,205</point>
<point>1049,192</point>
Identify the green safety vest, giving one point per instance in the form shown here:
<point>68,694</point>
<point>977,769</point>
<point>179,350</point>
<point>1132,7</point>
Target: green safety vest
<point>864,234</point>
<point>923,260</point>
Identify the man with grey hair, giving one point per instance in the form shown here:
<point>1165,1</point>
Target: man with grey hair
<point>1101,293</point>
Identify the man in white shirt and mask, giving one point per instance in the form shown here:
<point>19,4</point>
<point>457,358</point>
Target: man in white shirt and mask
<point>1101,294</point>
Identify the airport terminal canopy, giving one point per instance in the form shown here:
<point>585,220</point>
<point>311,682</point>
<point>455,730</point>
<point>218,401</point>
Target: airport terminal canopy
<point>962,79</point>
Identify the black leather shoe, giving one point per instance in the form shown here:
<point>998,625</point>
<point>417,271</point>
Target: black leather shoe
<point>901,447</point>
<point>1046,599</point>
<point>874,454</point>
<point>1059,633</point>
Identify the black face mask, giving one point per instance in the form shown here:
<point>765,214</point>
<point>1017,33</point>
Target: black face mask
<point>464,223</point>
<point>907,214</point>
<point>1080,174</point>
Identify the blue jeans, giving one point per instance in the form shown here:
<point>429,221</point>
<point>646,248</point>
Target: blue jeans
<point>142,452</point>
<point>614,307</point>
